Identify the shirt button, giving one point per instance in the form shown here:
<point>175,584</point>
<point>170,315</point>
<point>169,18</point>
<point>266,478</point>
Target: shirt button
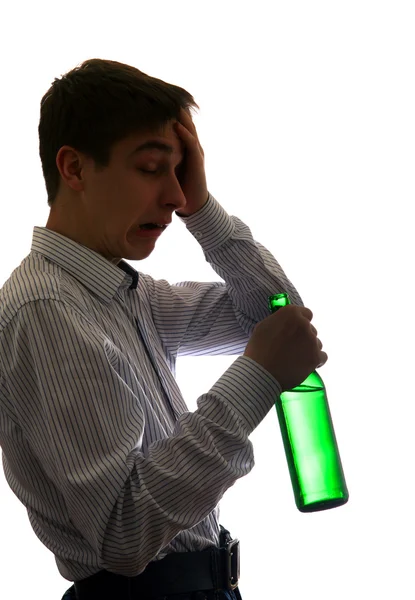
<point>198,234</point>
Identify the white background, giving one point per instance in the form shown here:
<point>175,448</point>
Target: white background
<point>307,122</point>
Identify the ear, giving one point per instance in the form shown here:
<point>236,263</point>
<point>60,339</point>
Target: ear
<point>70,166</point>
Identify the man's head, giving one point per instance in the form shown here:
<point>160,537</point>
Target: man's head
<point>92,121</point>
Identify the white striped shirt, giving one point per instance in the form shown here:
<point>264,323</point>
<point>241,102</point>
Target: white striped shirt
<point>97,441</point>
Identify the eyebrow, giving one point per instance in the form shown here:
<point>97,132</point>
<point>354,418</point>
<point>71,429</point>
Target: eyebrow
<point>154,145</point>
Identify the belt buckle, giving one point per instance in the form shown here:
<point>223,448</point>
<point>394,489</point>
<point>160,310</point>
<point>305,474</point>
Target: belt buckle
<point>232,564</point>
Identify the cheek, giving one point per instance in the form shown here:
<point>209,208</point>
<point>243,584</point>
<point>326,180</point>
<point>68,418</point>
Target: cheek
<point>113,188</point>
<point>102,185</point>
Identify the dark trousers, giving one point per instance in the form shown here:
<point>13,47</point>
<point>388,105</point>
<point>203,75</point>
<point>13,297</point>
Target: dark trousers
<point>221,595</point>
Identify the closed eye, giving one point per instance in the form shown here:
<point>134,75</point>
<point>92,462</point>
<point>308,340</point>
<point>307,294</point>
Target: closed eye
<point>145,171</point>
<point>177,171</point>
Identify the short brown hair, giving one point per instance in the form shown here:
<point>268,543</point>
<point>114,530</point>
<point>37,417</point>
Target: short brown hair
<point>97,104</point>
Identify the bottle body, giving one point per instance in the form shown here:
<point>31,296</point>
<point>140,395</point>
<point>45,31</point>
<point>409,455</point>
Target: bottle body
<point>309,440</point>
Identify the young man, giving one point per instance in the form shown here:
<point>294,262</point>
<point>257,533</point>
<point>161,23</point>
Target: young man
<point>120,481</point>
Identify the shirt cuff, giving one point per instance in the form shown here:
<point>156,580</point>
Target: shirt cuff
<point>249,389</point>
<point>211,225</point>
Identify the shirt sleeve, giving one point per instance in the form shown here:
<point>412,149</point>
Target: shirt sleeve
<point>218,318</point>
<point>85,422</point>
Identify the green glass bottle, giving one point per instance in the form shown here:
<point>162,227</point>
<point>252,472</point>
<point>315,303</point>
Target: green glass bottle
<point>309,441</point>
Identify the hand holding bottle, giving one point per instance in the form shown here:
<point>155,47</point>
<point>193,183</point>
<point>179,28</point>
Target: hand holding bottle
<point>287,346</point>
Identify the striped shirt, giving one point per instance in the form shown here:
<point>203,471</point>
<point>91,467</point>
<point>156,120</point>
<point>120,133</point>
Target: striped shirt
<point>97,441</point>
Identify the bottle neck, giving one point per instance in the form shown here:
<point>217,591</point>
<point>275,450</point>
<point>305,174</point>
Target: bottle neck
<point>313,381</point>
<point>277,301</point>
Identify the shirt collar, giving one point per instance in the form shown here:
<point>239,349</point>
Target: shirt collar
<point>91,269</point>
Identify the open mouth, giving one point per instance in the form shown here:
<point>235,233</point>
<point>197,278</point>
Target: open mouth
<point>150,232</point>
<point>149,226</point>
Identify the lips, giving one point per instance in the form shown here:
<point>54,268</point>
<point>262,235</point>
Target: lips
<point>152,233</point>
<point>162,222</point>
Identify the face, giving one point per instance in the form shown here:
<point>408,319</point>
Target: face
<point>102,208</point>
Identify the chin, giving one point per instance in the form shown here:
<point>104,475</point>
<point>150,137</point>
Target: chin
<point>138,255</point>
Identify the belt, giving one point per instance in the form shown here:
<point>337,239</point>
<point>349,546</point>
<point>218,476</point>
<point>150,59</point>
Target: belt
<point>177,573</point>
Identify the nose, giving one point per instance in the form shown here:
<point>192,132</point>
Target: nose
<point>174,194</point>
